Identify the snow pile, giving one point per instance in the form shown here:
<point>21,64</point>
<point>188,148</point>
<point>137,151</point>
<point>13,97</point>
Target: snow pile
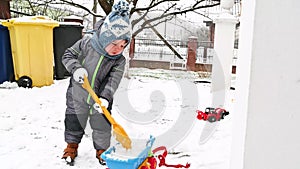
<point>9,85</point>
<point>32,122</point>
<point>162,74</point>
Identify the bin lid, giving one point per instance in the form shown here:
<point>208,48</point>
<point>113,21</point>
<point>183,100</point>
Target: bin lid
<point>73,24</point>
<point>31,20</point>
<point>2,26</point>
<point>73,18</point>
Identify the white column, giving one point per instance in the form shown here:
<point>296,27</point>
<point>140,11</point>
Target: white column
<point>266,116</point>
<point>222,61</point>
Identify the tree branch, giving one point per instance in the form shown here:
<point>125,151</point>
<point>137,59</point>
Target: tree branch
<point>194,7</point>
<point>82,7</point>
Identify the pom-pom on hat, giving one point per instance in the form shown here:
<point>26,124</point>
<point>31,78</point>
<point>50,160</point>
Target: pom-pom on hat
<point>116,25</point>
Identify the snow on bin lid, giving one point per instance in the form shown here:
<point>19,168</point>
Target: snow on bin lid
<point>1,20</point>
<point>73,17</point>
<point>70,24</point>
<point>34,20</point>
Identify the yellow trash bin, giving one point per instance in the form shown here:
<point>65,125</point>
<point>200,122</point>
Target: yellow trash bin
<point>32,49</point>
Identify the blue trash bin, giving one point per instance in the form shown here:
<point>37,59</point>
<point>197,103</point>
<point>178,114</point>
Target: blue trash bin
<point>6,63</point>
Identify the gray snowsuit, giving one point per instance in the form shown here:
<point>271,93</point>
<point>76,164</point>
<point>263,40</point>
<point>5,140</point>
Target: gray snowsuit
<point>104,75</point>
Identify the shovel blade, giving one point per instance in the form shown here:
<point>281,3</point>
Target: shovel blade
<point>121,136</point>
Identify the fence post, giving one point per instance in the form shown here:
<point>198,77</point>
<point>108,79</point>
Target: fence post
<point>192,53</point>
<point>131,48</point>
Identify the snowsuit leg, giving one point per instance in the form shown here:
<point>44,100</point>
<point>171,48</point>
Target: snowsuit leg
<point>101,130</point>
<point>75,119</point>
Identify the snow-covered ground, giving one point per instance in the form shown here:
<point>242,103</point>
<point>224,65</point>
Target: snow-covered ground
<point>152,102</point>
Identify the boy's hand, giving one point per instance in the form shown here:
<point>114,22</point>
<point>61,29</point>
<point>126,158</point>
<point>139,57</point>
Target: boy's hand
<point>79,73</point>
<point>104,103</point>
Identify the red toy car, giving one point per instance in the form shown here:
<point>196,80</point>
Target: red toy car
<point>212,114</point>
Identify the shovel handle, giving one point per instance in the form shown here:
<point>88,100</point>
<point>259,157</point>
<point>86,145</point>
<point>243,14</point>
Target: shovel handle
<point>86,85</point>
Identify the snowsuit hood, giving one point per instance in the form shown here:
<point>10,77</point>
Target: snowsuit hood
<point>116,26</point>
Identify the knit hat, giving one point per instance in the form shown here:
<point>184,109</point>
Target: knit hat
<point>116,25</point>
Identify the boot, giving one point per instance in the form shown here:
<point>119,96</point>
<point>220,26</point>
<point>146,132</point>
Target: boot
<point>98,156</point>
<point>70,151</point>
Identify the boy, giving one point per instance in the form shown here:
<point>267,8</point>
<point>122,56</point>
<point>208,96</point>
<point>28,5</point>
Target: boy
<point>99,58</point>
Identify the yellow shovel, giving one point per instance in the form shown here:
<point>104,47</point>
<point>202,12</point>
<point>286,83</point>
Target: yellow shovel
<point>118,131</point>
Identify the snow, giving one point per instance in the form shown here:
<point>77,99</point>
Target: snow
<point>152,102</point>
<point>120,153</point>
<point>9,85</point>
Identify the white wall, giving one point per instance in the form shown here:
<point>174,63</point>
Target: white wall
<point>266,127</point>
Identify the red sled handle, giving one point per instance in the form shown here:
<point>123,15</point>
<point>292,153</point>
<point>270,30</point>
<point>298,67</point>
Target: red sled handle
<point>162,158</point>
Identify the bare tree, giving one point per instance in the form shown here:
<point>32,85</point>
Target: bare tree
<point>167,9</point>
<point>164,10</point>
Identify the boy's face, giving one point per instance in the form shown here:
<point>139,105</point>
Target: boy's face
<point>116,47</point>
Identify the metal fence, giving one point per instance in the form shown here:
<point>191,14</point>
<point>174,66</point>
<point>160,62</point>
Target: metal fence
<point>156,50</point>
